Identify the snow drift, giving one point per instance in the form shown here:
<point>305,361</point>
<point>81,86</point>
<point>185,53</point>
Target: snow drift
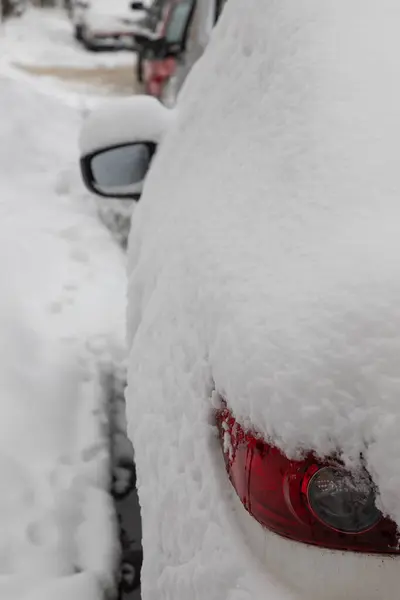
<point>62,323</point>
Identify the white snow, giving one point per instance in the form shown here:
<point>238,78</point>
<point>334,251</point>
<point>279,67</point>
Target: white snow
<point>117,121</point>
<point>62,326</point>
<point>265,262</point>
<point>45,38</point>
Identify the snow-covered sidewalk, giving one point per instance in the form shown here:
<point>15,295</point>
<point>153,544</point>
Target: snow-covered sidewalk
<point>45,37</point>
<point>42,42</point>
<point>62,321</point>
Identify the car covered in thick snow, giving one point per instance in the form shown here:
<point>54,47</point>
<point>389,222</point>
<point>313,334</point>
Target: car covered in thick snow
<point>100,22</point>
<point>264,307</point>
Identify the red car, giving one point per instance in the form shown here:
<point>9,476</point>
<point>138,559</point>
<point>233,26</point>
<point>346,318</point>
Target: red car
<point>157,73</point>
<point>166,56</point>
<point>162,55</point>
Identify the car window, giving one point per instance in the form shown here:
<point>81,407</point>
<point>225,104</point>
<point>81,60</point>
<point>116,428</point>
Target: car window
<point>178,22</point>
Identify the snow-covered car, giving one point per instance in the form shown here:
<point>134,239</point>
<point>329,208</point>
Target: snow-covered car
<point>99,22</point>
<point>264,310</point>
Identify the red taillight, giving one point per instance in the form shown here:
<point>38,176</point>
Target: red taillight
<point>162,69</point>
<point>310,501</point>
<point>157,73</point>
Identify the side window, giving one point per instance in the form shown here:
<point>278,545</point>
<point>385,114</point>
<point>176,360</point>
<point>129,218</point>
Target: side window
<point>178,22</point>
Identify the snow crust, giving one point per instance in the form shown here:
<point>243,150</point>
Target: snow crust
<point>264,262</point>
<point>62,327</point>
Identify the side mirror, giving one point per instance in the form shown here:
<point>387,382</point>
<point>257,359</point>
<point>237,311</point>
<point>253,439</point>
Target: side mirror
<point>118,142</point>
<point>119,171</point>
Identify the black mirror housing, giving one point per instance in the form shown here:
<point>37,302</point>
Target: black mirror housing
<point>103,170</point>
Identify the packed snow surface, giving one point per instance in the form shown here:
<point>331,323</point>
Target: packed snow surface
<point>46,38</point>
<point>62,326</point>
<point>265,263</point>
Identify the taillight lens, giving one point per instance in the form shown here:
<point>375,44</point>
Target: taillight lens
<point>163,69</point>
<point>310,501</point>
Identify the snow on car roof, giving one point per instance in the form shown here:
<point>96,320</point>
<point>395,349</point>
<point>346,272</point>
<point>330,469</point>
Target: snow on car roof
<point>265,256</point>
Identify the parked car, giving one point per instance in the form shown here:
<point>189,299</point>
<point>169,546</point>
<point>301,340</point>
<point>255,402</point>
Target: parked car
<point>147,28</point>
<point>101,22</point>
<point>196,35</point>
<point>264,309</point>
<point>181,35</point>
<point>162,54</point>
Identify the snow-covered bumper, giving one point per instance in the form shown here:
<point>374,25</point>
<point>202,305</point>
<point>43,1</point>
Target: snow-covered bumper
<point>306,572</point>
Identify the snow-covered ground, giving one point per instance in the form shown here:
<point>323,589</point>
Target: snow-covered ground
<point>45,37</point>
<point>62,323</point>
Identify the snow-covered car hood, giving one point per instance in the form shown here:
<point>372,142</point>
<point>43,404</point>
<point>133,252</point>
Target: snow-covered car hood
<point>115,9</point>
<point>265,262</point>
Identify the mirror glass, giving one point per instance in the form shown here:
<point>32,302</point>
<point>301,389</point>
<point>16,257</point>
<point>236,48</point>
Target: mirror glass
<point>178,21</point>
<point>121,169</point>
